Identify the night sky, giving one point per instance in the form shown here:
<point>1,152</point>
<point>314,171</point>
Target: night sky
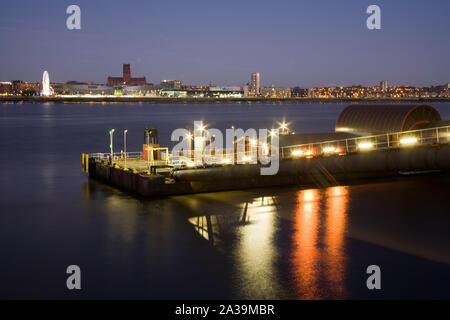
<point>304,43</point>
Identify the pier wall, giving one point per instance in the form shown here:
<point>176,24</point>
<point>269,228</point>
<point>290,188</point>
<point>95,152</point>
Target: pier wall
<point>321,171</point>
<point>144,185</point>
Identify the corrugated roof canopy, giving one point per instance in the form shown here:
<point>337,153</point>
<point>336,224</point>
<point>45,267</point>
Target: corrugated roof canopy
<point>376,119</point>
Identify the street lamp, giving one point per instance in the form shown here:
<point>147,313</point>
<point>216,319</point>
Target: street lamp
<point>273,132</point>
<point>111,133</point>
<point>190,137</point>
<point>125,145</point>
<point>284,126</point>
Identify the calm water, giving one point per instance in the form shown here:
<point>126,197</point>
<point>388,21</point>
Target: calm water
<point>271,243</point>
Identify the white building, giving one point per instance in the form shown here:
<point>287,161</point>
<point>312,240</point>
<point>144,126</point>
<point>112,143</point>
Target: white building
<point>255,83</point>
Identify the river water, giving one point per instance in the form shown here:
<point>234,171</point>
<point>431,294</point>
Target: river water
<point>274,243</point>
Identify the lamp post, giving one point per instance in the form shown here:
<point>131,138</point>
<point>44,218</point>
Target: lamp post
<point>190,137</point>
<point>111,133</point>
<point>284,127</point>
<point>148,159</point>
<point>125,145</point>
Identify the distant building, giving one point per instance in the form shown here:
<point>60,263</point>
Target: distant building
<point>20,87</point>
<point>80,88</point>
<point>274,92</point>
<point>6,88</point>
<point>126,79</point>
<point>170,84</point>
<point>255,83</point>
<point>299,92</point>
<point>228,92</point>
<point>384,85</point>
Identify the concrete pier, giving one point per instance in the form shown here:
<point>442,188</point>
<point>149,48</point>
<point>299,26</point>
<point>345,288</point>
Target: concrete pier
<point>321,171</point>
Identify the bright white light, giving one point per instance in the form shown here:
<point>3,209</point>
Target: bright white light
<point>297,153</point>
<point>343,129</point>
<point>247,158</point>
<point>329,149</point>
<point>226,161</point>
<point>201,127</point>
<point>284,126</point>
<point>410,140</point>
<point>253,142</point>
<point>46,84</point>
<point>190,164</point>
<point>309,153</point>
<point>365,145</point>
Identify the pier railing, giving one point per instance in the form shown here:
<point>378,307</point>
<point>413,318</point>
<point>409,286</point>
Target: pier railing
<point>412,138</point>
<point>255,153</point>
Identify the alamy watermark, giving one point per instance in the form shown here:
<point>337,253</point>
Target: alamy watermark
<point>374,280</point>
<point>74,280</point>
<point>373,22</point>
<point>73,21</point>
<point>206,147</point>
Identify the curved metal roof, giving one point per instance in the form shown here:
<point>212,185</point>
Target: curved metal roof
<point>375,119</point>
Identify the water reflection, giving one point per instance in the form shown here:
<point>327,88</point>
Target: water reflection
<point>335,256</point>
<point>245,227</point>
<point>249,231</point>
<point>319,258</point>
<point>305,237</point>
<point>272,243</point>
<point>255,253</point>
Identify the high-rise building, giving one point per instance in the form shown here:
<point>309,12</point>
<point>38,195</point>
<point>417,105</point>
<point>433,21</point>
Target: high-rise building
<point>384,85</point>
<point>126,79</point>
<point>255,83</point>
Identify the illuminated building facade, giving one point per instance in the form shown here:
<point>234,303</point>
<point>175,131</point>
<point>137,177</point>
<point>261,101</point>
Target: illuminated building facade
<point>255,83</point>
<point>6,88</point>
<point>126,79</point>
<point>274,92</point>
<point>170,84</point>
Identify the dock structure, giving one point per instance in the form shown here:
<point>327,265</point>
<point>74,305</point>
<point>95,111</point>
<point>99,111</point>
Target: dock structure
<point>324,162</point>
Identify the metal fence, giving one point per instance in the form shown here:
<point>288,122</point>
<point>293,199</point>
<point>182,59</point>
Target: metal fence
<point>404,139</point>
<point>257,154</point>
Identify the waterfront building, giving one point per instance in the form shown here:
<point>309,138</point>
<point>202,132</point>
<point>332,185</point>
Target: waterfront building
<point>170,84</point>
<point>300,92</point>
<point>255,83</point>
<point>20,87</point>
<point>126,79</point>
<point>384,85</point>
<point>82,88</point>
<point>6,88</point>
<point>228,91</point>
<point>273,92</point>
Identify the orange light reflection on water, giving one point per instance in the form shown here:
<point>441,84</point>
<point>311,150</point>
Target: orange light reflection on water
<point>319,258</point>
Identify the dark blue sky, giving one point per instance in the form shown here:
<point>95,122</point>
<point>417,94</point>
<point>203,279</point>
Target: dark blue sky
<point>305,43</point>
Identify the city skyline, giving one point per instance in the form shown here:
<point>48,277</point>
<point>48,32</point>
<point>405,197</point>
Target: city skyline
<point>311,44</point>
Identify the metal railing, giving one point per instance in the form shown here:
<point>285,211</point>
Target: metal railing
<point>116,155</point>
<point>222,157</point>
<point>403,139</point>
